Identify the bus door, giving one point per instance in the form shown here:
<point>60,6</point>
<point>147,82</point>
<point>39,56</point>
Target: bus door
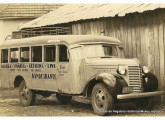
<point>63,65</point>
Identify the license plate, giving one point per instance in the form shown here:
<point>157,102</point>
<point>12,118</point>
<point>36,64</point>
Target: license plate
<point>127,90</point>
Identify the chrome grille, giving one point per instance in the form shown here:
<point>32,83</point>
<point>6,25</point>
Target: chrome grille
<point>135,78</point>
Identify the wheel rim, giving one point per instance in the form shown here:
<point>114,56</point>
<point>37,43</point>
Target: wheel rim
<point>24,93</point>
<point>100,98</point>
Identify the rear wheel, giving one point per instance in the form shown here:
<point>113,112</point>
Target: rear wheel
<point>102,100</point>
<point>26,96</point>
<point>62,99</point>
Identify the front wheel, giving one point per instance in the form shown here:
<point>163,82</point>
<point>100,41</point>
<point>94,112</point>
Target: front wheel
<point>26,96</point>
<point>102,100</point>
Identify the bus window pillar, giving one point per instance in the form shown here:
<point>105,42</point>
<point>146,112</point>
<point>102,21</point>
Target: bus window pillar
<point>9,56</point>
<point>30,54</point>
<point>19,55</point>
<point>43,56</point>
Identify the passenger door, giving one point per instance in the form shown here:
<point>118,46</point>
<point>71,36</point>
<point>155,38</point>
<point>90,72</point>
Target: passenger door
<point>63,66</point>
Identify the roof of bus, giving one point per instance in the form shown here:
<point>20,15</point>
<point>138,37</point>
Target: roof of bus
<point>69,39</point>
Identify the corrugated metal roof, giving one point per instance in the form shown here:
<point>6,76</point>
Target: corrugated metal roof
<point>75,12</point>
<point>26,10</point>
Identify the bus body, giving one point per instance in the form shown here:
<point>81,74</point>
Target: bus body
<point>86,65</point>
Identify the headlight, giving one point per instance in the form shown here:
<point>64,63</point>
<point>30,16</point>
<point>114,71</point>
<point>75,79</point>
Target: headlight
<point>146,79</point>
<point>121,70</point>
<point>145,69</point>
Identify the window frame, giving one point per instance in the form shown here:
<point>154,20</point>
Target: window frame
<point>9,53</point>
<point>45,53</point>
<point>58,52</point>
<point>29,53</point>
<point>42,54</point>
<point>7,56</point>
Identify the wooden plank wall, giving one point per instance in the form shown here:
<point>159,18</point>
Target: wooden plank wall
<point>142,34</point>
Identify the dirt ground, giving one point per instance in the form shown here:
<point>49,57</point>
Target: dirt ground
<point>10,106</point>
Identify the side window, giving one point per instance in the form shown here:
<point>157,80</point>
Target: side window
<point>63,57</point>
<point>110,51</point>
<point>50,53</point>
<point>4,56</point>
<point>25,54</point>
<point>14,54</point>
<point>37,54</point>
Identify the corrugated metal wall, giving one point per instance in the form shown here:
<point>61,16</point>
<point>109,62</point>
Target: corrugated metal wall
<point>143,36</point>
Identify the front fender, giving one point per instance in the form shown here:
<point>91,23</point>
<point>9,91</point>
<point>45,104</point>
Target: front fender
<point>150,82</point>
<point>107,78</point>
<point>114,83</point>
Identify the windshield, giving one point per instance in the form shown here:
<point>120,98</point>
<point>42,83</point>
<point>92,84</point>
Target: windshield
<point>103,51</point>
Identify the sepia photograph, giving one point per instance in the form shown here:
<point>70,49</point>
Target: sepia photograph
<point>82,59</point>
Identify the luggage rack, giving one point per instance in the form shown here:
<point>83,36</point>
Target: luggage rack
<point>41,31</point>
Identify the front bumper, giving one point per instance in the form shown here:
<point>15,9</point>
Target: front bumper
<point>138,95</point>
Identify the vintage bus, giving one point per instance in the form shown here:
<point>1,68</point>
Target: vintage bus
<point>89,66</point>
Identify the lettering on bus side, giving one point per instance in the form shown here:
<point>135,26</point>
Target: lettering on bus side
<point>51,66</point>
<point>36,66</point>
<point>19,66</point>
<point>30,66</point>
<point>44,76</point>
<point>5,66</point>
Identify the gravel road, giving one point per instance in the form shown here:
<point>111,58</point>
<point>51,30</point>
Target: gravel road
<point>10,106</point>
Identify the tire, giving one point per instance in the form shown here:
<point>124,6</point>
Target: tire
<point>62,99</point>
<point>145,103</point>
<point>26,96</point>
<point>102,100</point>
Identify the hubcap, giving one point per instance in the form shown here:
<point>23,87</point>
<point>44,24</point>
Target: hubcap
<point>100,98</point>
<point>24,93</point>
